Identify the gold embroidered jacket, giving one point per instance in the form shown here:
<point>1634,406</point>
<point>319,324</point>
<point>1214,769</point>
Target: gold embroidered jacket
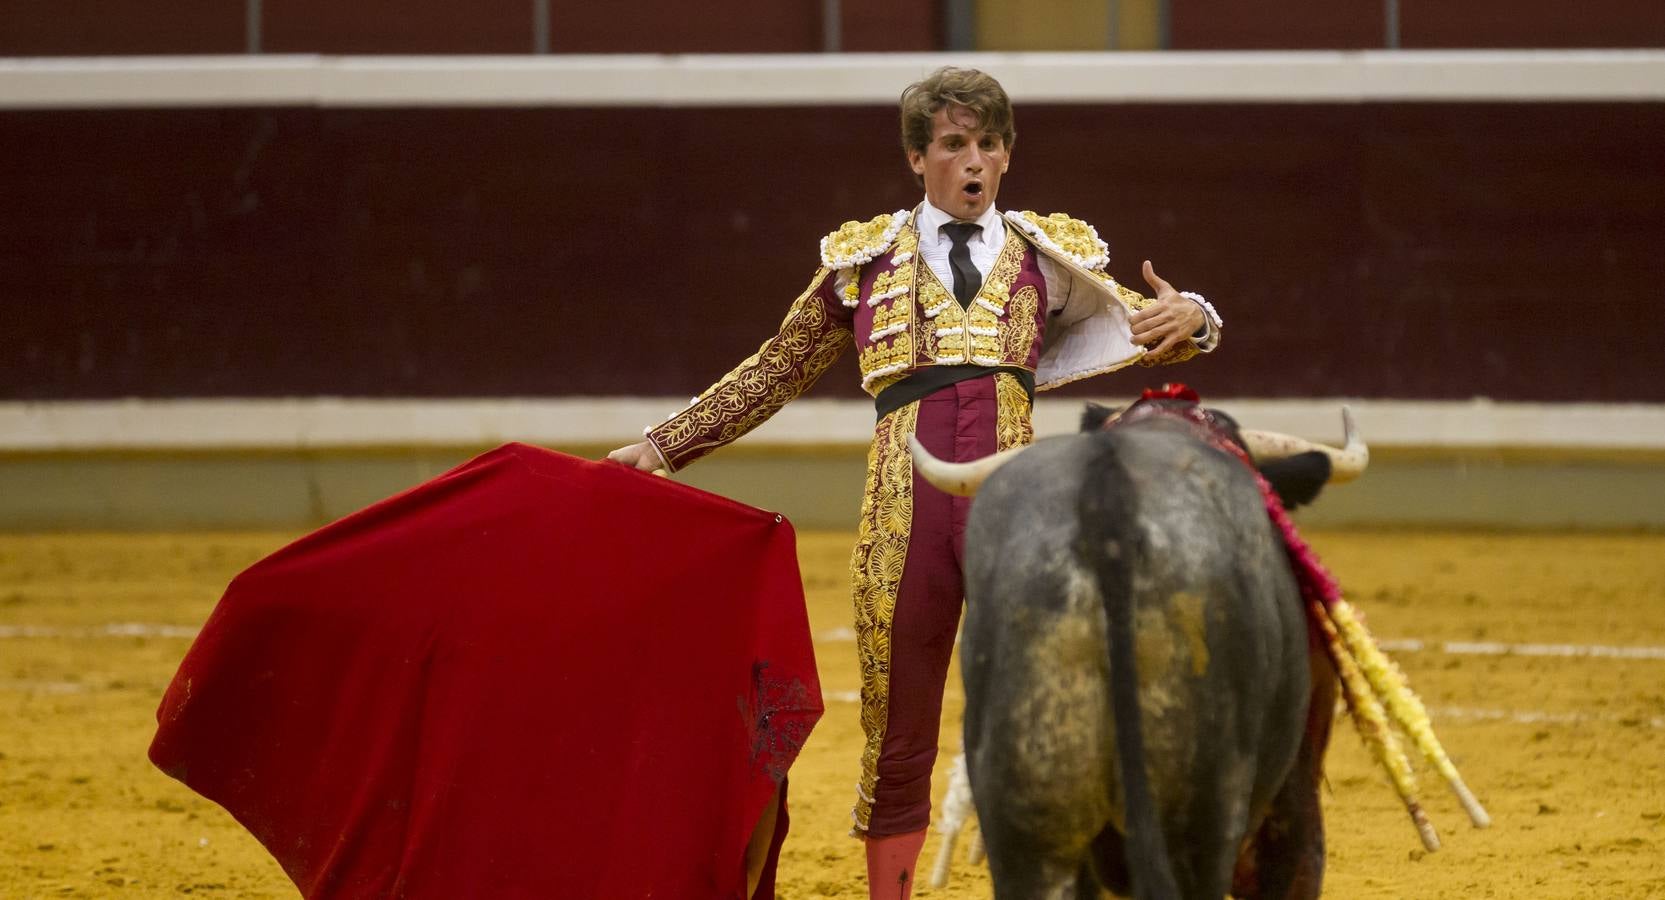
<point>874,291</point>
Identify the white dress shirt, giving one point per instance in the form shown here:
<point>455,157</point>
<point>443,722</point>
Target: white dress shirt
<point>934,245</point>
<point>985,247</point>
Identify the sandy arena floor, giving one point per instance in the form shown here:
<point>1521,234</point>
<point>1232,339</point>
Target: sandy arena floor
<point>1564,750</point>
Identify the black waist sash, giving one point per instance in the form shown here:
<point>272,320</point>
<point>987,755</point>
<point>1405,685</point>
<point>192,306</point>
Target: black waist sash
<point>927,381</point>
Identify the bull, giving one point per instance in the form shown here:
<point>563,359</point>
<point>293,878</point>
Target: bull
<point>1147,707</point>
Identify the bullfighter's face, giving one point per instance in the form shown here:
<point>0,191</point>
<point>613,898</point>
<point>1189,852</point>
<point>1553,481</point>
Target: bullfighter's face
<point>962,165</point>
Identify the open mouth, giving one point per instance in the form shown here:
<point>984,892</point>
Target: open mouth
<point>973,188</point>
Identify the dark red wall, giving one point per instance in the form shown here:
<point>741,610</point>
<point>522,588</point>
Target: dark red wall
<point>396,26</point>
<point>872,26</point>
<point>734,26</point>
<point>1423,24</point>
<point>1288,25</point>
<point>97,27</point>
<point>1426,251</point>
<point>1532,23</point>
<point>101,27</point>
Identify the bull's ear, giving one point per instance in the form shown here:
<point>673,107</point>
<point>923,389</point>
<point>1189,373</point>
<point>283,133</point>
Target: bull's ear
<point>1298,478</point>
<point>1095,415</point>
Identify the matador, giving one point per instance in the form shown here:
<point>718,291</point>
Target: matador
<point>959,313</point>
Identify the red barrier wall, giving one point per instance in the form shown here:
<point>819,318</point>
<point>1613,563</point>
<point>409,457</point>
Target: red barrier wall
<point>1289,25</point>
<point>734,26</point>
<point>872,26</point>
<point>95,27</point>
<point>1423,24</point>
<point>1532,23</point>
<point>100,27</point>
<point>1421,251</point>
<point>89,27</point>
<point>397,26</point>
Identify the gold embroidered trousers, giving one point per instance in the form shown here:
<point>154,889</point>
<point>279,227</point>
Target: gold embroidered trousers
<point>908,588</point>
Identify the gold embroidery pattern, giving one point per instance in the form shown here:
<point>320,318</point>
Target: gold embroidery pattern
<point>884,356</point>
<point>1019,337</point>
<point>1006,268</point>
<point>944,327</point>
<point>940,311</point>
<point>875,575</point>
<point>785,366</point>
<point>987,309</point>
<point>1133,299</point>
<point>957,335</point>
<point>1069,236</point>
<point>884,281</point>
<point>1179,352</point>
<point>1013,425</point>
<point>877,386</point>
<point>889,354</point>
<point>896,283</point>
<point>856,243</point>
<point>853,289</point>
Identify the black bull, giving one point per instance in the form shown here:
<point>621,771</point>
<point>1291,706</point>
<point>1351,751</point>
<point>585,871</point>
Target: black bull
<point>1131,607</point>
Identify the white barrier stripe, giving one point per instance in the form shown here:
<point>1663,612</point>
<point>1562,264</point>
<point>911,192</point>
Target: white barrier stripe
<point>111,629</point>
<point>828,79</point>
<point>332,422</point>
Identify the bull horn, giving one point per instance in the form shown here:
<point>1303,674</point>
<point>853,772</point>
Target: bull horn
<point>959,479</point>
<point>1346,464</point>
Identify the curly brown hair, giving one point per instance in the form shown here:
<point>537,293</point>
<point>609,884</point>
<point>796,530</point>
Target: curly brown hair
<point>973,89</point>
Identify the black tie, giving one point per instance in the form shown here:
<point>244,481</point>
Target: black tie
<point>967,280</point>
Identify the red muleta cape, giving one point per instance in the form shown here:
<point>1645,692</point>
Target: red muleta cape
<point>533,676</point>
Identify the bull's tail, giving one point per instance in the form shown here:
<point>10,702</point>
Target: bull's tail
<point>1113,546</point>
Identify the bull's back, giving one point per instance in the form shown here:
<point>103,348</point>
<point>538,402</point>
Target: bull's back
<point>1221,638</point>
<point>1218,633</point>
<point>1032,653</point>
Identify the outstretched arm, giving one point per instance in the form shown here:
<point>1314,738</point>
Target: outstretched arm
<point>812,336</point>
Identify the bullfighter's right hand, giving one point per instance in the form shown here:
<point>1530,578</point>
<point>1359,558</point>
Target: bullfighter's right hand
<point>641,455</point>
<point>1167,321</point>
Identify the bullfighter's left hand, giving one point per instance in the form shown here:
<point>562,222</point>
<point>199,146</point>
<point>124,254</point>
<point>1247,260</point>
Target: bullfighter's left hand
<point>1167,321</point>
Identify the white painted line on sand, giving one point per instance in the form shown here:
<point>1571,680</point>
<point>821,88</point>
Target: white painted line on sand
<point>1455,648</point>
<point>848,635</point>
<point>1538,717</point>
<point>1491,648</point>
<point>109,629</point>
<point>44,687</point>
<point>1442,714</point>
